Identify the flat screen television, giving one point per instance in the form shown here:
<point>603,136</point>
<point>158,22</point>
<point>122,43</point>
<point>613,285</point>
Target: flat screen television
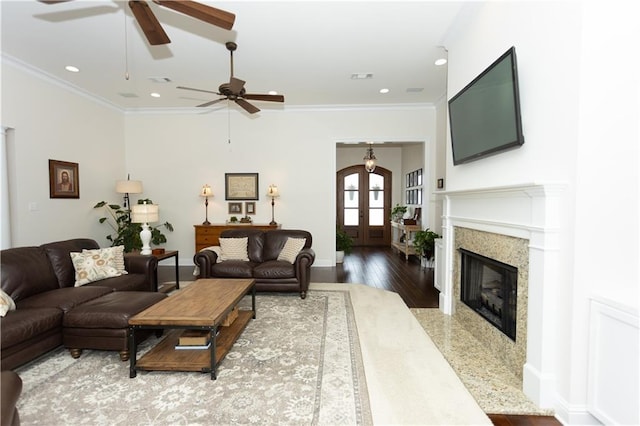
<point>484,117</point>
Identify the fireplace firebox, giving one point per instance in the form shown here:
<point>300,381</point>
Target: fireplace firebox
<point>490,288</point>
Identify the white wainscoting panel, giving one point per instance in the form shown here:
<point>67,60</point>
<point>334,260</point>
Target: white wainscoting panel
<point>614,358</point>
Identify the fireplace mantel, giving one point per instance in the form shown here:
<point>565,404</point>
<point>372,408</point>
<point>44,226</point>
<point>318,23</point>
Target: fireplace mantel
<point>529,211</point>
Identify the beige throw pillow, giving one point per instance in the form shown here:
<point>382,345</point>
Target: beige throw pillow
<point>291,249</point>
<point>6,303</point>
<point>234,248</point>
<point>114,255</point>
<point>93,265</point>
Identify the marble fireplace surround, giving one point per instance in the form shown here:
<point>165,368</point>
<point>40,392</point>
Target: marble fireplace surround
<point>524,218</point>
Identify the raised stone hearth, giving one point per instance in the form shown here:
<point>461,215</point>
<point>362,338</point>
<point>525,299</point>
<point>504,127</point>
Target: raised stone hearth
<point>510,250</point>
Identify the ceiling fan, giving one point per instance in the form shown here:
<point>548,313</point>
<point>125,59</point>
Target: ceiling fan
<point>151,26</point>
<point>234,90</point>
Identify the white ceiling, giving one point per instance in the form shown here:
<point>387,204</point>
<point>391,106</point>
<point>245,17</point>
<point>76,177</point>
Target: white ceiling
<point>305,50</point>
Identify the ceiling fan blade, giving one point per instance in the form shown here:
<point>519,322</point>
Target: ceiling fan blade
<point>236,85</point>
<point>196,90</point>
<point>211,15</point>
<point>206,104</point>
<point>270,98</point>
<point>247,106</point>
<point>148,23</point>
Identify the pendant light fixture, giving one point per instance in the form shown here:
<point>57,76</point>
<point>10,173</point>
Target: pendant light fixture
<point>370,160</point>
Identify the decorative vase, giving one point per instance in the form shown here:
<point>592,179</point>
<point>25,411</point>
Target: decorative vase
<point>339,256</point>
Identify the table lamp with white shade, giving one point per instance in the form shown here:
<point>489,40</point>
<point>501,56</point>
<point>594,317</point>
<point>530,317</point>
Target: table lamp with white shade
<point>144,214</point>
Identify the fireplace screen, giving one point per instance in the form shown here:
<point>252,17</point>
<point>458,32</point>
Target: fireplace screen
<point>490,288</point>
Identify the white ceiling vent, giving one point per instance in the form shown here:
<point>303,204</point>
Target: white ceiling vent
<point>361,76</point>
<point>128,95</point>
<point>415,89</point>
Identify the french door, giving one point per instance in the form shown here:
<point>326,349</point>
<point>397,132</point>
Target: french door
<point>364,205</point>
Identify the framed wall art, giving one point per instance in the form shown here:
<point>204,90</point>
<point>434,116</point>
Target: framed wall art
<point>241,186</point>
<point>64,181</point>
<point>235,208</point>
<point>250,207</point>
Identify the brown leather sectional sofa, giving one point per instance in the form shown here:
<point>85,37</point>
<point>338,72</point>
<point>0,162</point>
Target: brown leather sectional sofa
<point>263,250</point>
<point>40,280</point>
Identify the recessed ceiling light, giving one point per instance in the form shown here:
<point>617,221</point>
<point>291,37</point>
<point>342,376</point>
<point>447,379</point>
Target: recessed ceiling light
<point>155,95</point>
<point>272,92</point>
<point>384,90</point>
<point>71,68</point>
<point>441,61</point>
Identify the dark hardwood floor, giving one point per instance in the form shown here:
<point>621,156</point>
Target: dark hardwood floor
<point>385,268</point>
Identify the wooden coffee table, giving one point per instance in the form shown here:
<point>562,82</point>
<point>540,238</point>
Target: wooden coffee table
<point>202,305</point>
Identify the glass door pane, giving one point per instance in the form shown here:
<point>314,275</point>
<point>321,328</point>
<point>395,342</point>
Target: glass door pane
<point>351,200</point>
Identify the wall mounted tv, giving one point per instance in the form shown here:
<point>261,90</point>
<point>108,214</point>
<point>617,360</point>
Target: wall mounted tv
<point>485,116</point>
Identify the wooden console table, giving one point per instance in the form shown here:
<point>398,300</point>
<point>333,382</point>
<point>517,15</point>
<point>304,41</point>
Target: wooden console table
<point>209,235</point>
<point>397,231</point>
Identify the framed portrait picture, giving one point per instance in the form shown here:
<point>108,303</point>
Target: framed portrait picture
<point>250,207</point>
<point>241,186</point>
<point>235,208</point>
<point>64,181</point>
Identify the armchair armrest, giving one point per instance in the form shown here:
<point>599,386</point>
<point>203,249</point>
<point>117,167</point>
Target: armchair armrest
<point>203,260</point>
<point>135,263</point>
<point>302,267</point>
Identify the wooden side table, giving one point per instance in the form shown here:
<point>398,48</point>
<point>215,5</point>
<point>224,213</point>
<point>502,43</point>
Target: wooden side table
<point>167,255</point>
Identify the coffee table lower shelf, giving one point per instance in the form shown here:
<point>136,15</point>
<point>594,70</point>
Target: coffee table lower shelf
<point>165,357</point>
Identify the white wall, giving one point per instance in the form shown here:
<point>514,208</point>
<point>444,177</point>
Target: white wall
<point>580,119</point>
<point>46,122</point>
<point>174,154</point>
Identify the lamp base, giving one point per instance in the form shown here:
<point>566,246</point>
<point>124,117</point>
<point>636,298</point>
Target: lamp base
<point>206,222</point>
<point>145,236</point>
<point>273,222</point>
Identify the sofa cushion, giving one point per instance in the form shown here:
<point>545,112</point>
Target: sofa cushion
<point>64,298</point>
<point>233,269</point>
<point>93,265</point>
<point>291,249</point>
<point>130,282</point>
<point>274,269</point>
<point>58,253</point>
<point>23,324</point>
<point>6,303</point>
<point>234,248</point>
<point>26,271</point>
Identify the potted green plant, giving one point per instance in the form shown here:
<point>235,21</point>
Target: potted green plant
<point>424,243</point>
<point>233,219</point>
<point>127,233</point>
<point>344,244</point>
<point>397,212</point>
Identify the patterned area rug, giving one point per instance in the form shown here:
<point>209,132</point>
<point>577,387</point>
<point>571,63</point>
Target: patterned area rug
<point>298,362</point>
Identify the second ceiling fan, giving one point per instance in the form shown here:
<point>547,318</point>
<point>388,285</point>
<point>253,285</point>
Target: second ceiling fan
<point>234,90</point>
